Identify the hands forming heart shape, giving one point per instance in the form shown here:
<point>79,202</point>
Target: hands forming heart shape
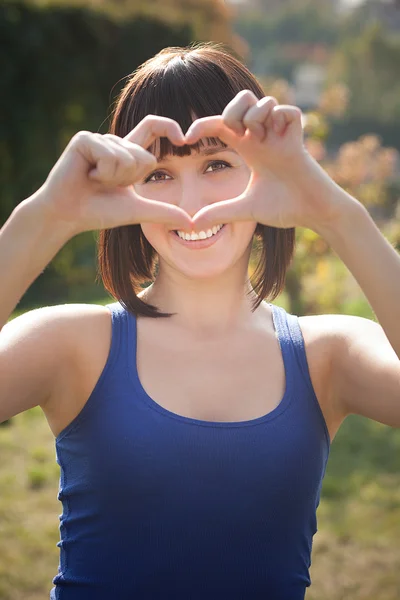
<point>92,185</point>
<point>287,187</point>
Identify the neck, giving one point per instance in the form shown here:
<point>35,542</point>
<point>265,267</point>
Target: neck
<point>213,307</point>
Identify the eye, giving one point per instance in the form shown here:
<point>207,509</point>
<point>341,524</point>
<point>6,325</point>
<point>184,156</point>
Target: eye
<point>218,163</point>
<point>155,174</point>
<point>159,176</point>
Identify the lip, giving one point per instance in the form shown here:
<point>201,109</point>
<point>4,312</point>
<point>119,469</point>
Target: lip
<point>199,244</point>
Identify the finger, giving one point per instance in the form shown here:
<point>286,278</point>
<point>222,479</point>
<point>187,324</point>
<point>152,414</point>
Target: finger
<point>210,127</point>
<point>153,211</point>
<point>123,164</point>
<point>237,108</point>
<point>140,153</point>
<point>144,161</point>
<point>120,168</point>
<point>103,157</point>
<point>227,211</point>
<point>257,117</point>
<point>284,115</point>
<point>153,127</point>
<point>116,210</point>
<point>113,164</point>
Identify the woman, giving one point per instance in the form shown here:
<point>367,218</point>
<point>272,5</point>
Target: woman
<point>192,420</point>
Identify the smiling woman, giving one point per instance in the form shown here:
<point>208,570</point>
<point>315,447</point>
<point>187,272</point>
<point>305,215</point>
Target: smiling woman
<point>192,448</point>
<point>185,84</point>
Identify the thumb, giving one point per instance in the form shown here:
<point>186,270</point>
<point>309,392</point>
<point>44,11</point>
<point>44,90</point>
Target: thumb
<point>226,211</point>
<point>152,211</point>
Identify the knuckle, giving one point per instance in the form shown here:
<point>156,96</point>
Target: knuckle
<point>142,155</point>
<point>111,153</point>
<point>267,100</point>
<point>247,95</point>
<point>229,119</point>
<point>154,119</point>
<point>250,118</point>
<point>81,136</point>
<point>110,136</point>
<point>129,162</point>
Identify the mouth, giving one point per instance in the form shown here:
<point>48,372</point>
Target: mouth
<point>203,242</point>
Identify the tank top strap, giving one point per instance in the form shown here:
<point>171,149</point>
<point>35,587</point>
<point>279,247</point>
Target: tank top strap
<point>115,367</point>
<point>291,339</point>
<point>121,341</point>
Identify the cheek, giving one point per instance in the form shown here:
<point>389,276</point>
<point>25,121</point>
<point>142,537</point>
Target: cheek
<point>154,233</point>
<point>244,232</point>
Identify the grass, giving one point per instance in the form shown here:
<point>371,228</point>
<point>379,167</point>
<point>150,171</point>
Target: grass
<point>356,551</point>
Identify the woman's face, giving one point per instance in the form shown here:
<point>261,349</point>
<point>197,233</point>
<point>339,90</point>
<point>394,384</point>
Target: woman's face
<point>191,182</point>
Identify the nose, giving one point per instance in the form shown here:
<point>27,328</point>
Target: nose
<point>191,197</point>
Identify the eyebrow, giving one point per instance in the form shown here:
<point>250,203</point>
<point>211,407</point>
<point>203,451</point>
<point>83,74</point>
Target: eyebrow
<point>206,152</point>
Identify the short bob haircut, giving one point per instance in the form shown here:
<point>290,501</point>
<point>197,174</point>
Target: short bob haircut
<point>177,82</point>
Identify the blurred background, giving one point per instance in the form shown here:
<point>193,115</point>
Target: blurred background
<point>62,63</point>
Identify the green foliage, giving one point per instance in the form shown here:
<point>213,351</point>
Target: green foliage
<point>61,68</point>
<point>206,19</point>
<point>358,50</point>
<point>369,64</point>
<point>36,477</point>
<point>274,32</point>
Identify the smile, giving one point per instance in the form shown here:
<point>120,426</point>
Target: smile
<point>199,241</point>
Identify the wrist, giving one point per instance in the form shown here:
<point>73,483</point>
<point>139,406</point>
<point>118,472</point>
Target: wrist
<point>35,210</point>
<point>346,219</point>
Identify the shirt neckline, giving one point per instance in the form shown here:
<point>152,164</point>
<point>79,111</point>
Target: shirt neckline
<point>278,318</point>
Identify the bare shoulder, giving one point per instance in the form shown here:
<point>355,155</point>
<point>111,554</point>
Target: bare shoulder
<point>86,336</point>
<point>359,365</point>
<point>323,339</point>
<point>75,323</point>
<point>323,330</point>
<point>40,351</point>
<point>335,331</point>
<point>83,319</point>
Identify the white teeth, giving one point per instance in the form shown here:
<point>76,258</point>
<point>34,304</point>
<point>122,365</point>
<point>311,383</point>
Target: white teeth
<point>202,235</point>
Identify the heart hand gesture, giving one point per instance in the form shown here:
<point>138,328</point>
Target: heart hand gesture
<point>287,187</point>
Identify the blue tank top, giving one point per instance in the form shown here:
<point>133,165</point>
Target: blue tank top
<point>158,506</point>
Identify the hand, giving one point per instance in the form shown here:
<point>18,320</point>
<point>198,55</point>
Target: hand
<point>287,187</point>
<point>91,185</point>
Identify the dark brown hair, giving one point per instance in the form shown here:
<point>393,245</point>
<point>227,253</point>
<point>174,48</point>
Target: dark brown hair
<point>178,82</point>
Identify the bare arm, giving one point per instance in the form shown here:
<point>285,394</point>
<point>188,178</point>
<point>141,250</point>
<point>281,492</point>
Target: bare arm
<point>28,242</point>
<point>31,345</point>
<point>90,187</point>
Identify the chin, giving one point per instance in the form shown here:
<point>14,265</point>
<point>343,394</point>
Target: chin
<point>198,269</point>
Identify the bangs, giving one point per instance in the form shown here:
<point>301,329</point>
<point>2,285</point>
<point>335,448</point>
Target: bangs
<point>186,88</point>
